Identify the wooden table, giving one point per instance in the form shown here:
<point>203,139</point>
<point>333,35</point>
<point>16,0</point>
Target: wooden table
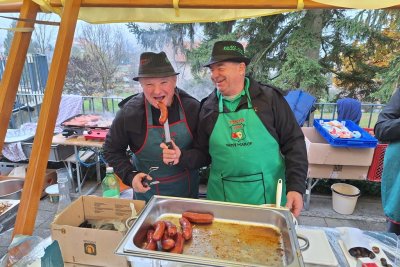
<point>80,141</point>
<point>76,141</point>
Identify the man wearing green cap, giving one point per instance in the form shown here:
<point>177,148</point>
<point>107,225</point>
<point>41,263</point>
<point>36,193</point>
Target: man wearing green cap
<point>249,134</point>
<point>136,127</point>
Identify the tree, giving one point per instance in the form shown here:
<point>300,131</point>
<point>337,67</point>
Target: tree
<point>356,50</point>
<point>82,77</point>
<point>94,67</point>
<point>43,35</point>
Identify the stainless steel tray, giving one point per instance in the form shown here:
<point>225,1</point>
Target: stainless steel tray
<point>57,152</point>
<point>8,215</point>
<point>158,206</point>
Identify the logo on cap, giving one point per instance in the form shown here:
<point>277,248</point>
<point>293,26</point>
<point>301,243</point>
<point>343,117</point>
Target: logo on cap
<point>233,48</point>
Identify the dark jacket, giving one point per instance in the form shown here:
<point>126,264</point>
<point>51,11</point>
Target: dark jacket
<point>387,127</point>
<point>278,118</point>
<point>128,130</point>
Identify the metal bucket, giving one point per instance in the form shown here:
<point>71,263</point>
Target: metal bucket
<point>11,189</point>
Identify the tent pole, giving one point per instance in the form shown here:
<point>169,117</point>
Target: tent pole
<point>14,66</point>
<point>32,190</point>
<point>11,8</point>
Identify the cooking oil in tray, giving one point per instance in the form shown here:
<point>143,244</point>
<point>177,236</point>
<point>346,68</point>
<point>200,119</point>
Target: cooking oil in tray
<point>234,241</point>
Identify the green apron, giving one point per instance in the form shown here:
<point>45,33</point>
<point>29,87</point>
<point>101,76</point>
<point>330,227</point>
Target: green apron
<point>390,183</point>
<point>246,160</point>
<point>174,180</point>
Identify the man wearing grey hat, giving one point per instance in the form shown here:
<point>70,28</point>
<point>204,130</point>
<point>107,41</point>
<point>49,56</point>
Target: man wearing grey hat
<point>137,127</point>
<point>249,134</point>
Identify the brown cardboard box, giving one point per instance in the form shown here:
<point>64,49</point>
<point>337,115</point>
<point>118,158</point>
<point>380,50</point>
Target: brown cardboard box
<point>337,171</point>
<point>319,151</point>
<point>92,246</point>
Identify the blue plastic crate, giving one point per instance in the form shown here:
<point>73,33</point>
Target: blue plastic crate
<point>365,141</point>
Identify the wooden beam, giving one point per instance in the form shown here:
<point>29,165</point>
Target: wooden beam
<point>205,4</point>
<point>14,66</point>
<point>11,8</point>
<point>30,199</point>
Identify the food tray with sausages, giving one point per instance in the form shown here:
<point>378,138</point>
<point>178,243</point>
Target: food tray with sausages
<point>8,211</point>
<point>99,121</point>
<point>236,235</point>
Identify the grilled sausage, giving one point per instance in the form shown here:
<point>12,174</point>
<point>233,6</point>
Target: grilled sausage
<point>186,228</point>
<point>151,243</point>
<point>200,218</point>
<point>159,227</point>
<point>163,113</point>
<point>179,240</point>
<point>171,228</point>
<point>167,242</point>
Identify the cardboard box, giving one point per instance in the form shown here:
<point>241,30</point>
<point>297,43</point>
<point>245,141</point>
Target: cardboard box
<point>337,171</point>
<point>319,151</point>
<point>87,245</point>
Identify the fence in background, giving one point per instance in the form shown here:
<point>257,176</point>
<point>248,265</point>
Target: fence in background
<point>95,104</point>
<point>369,116</point>
<point>34,74</point>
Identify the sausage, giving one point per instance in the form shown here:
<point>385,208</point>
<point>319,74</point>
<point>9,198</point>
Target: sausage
<point>167,242</point>
<point>200,218</point>
<point>159,227</point>
<point>186,228</point>
<point>163,113</point>
<point>151,243</point>
<point>179,240</point>
<point>171,228</point>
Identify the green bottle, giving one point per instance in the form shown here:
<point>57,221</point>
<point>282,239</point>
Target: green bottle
<point>110,184</point>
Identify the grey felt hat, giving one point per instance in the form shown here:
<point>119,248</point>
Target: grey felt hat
<point>154,65</point>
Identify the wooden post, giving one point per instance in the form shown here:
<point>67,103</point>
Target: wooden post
<point>41,146</point>
<point>14,66</point>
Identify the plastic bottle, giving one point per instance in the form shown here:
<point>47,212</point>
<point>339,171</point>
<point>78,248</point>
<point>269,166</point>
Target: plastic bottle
<point>110,184</point>
<point>63,190</point>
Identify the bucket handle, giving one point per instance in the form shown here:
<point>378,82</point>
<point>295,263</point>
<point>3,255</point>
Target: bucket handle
<point>346,195</point>
<point>306,242</point>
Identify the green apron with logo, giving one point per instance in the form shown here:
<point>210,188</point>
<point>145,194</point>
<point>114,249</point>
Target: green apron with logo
<point>174,180</point>
<point>246,159</point>
<point>390,183</point>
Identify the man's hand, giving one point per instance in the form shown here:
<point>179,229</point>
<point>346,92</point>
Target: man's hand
<point>294,202</point>
<point>137,182</point>
<point>171,155</point>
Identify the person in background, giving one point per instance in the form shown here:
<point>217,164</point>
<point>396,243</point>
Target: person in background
<point>249,134</point>
<point>136,127</point>
<point>387,129</point>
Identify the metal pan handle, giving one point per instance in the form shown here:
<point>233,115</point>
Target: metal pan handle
<point>305,240</point>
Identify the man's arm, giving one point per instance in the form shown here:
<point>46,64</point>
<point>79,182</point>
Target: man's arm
<point>115,150</point>
<point>292,144</point>
<point>388,126</point>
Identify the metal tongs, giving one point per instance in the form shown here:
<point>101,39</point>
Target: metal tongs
<point>146,182</point>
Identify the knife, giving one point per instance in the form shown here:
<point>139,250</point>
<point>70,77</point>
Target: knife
<point>168,138</point>
<point>167,135</point>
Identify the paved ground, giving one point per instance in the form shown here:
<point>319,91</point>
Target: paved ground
<point>367,216</point>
